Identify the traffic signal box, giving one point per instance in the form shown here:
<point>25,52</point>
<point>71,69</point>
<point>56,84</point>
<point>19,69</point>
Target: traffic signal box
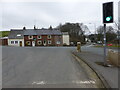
<point>108,12</point>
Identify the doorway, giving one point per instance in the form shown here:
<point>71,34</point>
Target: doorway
<point>33,43</point>
<point>44,43</point>
<point>20,43</point>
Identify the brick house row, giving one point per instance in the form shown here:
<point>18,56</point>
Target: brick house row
<point>35,37</point>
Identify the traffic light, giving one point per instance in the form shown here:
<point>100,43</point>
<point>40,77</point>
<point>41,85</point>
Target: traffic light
<point>108,12</point>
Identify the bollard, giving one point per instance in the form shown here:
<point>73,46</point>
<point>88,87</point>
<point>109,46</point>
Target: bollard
<point>78,46</point>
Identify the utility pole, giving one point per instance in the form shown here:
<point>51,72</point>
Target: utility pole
<point>94,32</point>
<point>118,31</point>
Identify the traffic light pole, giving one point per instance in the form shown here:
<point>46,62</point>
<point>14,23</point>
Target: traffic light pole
<point>105,61</point>
<point>107,18</point>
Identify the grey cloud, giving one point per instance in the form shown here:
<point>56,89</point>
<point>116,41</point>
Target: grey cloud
<point>18,14</point>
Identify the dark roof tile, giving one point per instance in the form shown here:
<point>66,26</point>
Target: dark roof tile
<point>18,34</point>
<point>30,32</point>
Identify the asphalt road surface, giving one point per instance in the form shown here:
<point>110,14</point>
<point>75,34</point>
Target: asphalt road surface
<point>96,50</point>
<point>46,67</point>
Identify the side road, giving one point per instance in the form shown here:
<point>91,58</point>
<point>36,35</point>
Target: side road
<point>109,75</point>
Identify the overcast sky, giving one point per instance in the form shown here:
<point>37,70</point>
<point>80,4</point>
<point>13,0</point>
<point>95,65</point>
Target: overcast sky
<point>43,13</point>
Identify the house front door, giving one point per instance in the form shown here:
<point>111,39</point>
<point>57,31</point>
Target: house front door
<point>44,43</point>
<point>21,43</point>
<point>33,43</point>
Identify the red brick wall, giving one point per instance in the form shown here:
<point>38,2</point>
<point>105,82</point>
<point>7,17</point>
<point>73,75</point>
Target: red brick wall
<point>44,37</point>
<point>3,41</point>
<point>0,42</point>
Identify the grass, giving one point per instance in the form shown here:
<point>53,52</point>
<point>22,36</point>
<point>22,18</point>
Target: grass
<point>114,46</point>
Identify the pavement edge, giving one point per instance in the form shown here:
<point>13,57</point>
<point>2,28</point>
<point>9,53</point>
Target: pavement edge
<point>106,85</point>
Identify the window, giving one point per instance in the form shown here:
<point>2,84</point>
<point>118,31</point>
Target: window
<point>49,36</point>
<point>49,42</point>
<point>27,42</point>
<point>39,37</point>
<point>30,37</point>
<point>16,42</point>
<point>18,35</point>
<point>12,42</point>
<point>39,42</point>
<point>58,42</point>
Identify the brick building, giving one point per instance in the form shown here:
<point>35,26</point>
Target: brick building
<point>4,41</point>
<point>35,37</point>
<point>44,37</point>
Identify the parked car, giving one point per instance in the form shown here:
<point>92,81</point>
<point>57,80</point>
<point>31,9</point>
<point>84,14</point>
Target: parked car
<point>94,43</point>
<point>109,44</point>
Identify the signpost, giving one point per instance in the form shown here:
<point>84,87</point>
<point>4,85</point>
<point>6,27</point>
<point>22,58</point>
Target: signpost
<point>107,18</point>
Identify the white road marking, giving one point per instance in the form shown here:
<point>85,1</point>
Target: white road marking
<point>84,82</point>
<point>39,82</point>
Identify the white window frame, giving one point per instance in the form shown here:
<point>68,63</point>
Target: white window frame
<point>18,35</point>
<point>49,36</point>
<point>11,42</point>
<point>40,42</point>
<point>16,41</point>
<point>29,37</point>
<point>58,42</point>
<point>49,42</point>
<point>39,37</point>
<point>29,42</point>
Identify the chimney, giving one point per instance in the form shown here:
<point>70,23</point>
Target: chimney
<point>34,27</point>
<point>24,28</point>
<point>50,27</point>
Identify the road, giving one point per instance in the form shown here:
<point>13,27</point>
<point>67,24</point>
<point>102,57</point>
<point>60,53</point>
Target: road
<point>46,67</point>
<point>96,50</point>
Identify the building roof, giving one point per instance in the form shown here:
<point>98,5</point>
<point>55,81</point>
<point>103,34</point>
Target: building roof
<point>3,37</point>
<point>48,32</point>
<point>30,32</point>
<point>65,33</point>
<point>18,34</point>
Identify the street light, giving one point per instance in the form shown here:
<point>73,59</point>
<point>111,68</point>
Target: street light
<point>95,30</point>
<point>118,31</point>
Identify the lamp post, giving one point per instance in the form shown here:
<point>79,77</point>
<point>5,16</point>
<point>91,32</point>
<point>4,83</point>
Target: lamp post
<point>118,31</point>
<point>95,31</point>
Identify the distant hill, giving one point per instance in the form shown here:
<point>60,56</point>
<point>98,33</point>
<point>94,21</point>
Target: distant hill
<point>4,33</point>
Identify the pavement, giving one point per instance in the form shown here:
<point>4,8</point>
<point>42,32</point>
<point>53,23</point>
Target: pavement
<point>42,67</point>
<point>90,55</point>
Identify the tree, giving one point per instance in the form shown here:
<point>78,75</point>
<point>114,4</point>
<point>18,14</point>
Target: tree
<point>110,36</point>
<point>75,30</point>
<point>110,33</point>
<point>4,33</point>
<point>100,31</point>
